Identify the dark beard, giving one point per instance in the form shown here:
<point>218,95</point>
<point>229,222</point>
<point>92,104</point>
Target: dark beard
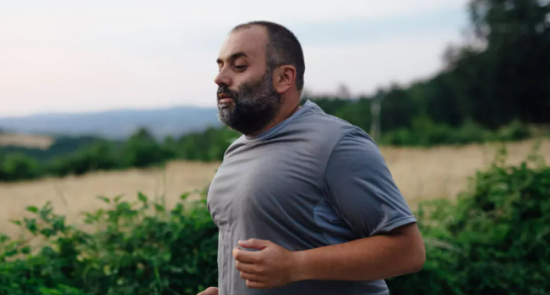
<point>255,105</point>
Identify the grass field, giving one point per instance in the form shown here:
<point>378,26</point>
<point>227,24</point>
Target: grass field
<point>23,140</point>
<point>420,174</point>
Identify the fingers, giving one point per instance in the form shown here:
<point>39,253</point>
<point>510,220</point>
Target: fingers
<point>251,263</point>
<point>247,267</point>
<point>254,244</point>
<point>245,256</point>
<point>252,277</point>
<point>252,273</point>
<point>255,285</point>
<point>209,291</point>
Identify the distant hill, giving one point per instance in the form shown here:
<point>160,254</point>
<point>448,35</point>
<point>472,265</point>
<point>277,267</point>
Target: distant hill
<point>116,124</point>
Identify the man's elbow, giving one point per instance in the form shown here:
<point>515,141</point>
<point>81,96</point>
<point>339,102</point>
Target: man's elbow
<point>420,258</point>
<point>417,257</point>
<point>413,249</point>
<point>416,250</point>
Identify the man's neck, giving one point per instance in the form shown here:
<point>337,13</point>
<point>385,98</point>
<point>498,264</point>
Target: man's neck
<point>284,113</point>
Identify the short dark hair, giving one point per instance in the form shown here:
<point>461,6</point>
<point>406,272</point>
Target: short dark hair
<point>282,48</point>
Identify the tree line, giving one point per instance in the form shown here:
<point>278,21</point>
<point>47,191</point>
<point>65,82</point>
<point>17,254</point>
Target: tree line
<point>497,77</point>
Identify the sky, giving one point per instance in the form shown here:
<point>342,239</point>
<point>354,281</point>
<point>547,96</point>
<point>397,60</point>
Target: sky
<point>76,56</point>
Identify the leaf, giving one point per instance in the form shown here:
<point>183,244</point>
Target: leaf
<point>16,222</point>
<point>10,253</point>
<point>104,199</point>
<point>32,209</point>
<point>142,197</point>
<point>117,198</point>
<point>31,225</point>
<point>26,250</point>
<point>4,238</point>
<point>159,207</point>
<point>59,224</point>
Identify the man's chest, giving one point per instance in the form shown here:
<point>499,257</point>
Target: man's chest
<point>261,184</point>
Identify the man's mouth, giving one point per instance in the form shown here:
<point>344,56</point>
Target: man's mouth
<point>225,99</point>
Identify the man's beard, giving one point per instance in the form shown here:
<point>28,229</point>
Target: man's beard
<point>255,105</point>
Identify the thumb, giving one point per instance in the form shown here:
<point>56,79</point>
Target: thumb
<point>254,244</point>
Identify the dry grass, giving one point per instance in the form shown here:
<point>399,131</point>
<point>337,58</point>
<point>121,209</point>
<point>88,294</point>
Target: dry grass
<point>72,195</point>
<point>443,172</point>
<point>24,140</point>
<point>419,173</point>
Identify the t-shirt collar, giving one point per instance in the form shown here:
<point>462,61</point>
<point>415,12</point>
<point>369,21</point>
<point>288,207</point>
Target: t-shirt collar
<point>308,105</point>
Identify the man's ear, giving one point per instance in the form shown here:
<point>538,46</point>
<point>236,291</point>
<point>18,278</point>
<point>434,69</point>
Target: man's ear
<point>284,77</point>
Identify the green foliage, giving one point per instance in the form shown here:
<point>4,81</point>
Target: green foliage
<point>141,150</point>
<point>62,145</point>
<point>494,240</point>
<point>209,145</point>
<point>136,248</point>
<point>425,132</point>
<point>17,166</point>
<point>98,156</point>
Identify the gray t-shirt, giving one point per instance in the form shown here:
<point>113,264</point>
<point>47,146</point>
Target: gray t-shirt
<point>311,181</point>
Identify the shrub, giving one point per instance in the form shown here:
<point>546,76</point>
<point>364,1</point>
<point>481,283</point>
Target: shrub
<point>494,240</point>
<point>139,248</point>
<point>98,156</point>
<point>425,133</point>
<point>18,166</point>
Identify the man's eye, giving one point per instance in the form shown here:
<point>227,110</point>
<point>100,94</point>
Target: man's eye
<point>240,67</point>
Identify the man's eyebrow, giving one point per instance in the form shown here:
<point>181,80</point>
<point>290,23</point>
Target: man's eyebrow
<point>233,57</point>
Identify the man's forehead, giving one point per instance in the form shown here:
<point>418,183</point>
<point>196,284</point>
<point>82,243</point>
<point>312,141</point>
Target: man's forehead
<point>250,41</point>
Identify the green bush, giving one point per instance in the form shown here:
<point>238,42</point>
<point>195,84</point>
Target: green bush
<point>17,166</point>
<point>494,240</point>
<point>98,156</point>
<point>139,248</point>
<point>425,132</point>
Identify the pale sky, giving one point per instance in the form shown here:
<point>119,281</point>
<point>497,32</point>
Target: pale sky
<point>76,56</point>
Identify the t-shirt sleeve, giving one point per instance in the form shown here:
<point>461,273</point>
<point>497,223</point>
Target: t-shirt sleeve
<point>361,188</point>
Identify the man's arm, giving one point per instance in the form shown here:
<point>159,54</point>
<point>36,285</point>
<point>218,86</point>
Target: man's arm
<point>396,253</point>
<point>380,257</point>
<point>362,191</point>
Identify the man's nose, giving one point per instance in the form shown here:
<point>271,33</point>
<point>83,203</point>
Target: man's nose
<point>223,78</point>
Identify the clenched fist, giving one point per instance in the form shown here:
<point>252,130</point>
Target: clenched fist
<point>272,266</point>
<point>209,291</point>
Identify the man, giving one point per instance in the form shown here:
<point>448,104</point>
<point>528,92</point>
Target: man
<point>304,201</point>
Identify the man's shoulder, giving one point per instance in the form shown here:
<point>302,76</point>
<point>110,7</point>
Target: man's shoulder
<point>329,125</point>
<point>337,129</point>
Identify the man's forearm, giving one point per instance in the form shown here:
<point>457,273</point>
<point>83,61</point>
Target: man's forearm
<point>368,259</point>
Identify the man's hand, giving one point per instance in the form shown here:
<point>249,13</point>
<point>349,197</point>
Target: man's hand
<point>209,291</point>
<point>270,267</point>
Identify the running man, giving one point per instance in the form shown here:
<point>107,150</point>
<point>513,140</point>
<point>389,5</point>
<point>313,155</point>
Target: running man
<point>304,201</point>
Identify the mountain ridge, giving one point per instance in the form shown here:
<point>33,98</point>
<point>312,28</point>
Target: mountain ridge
<point>116,123</point>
